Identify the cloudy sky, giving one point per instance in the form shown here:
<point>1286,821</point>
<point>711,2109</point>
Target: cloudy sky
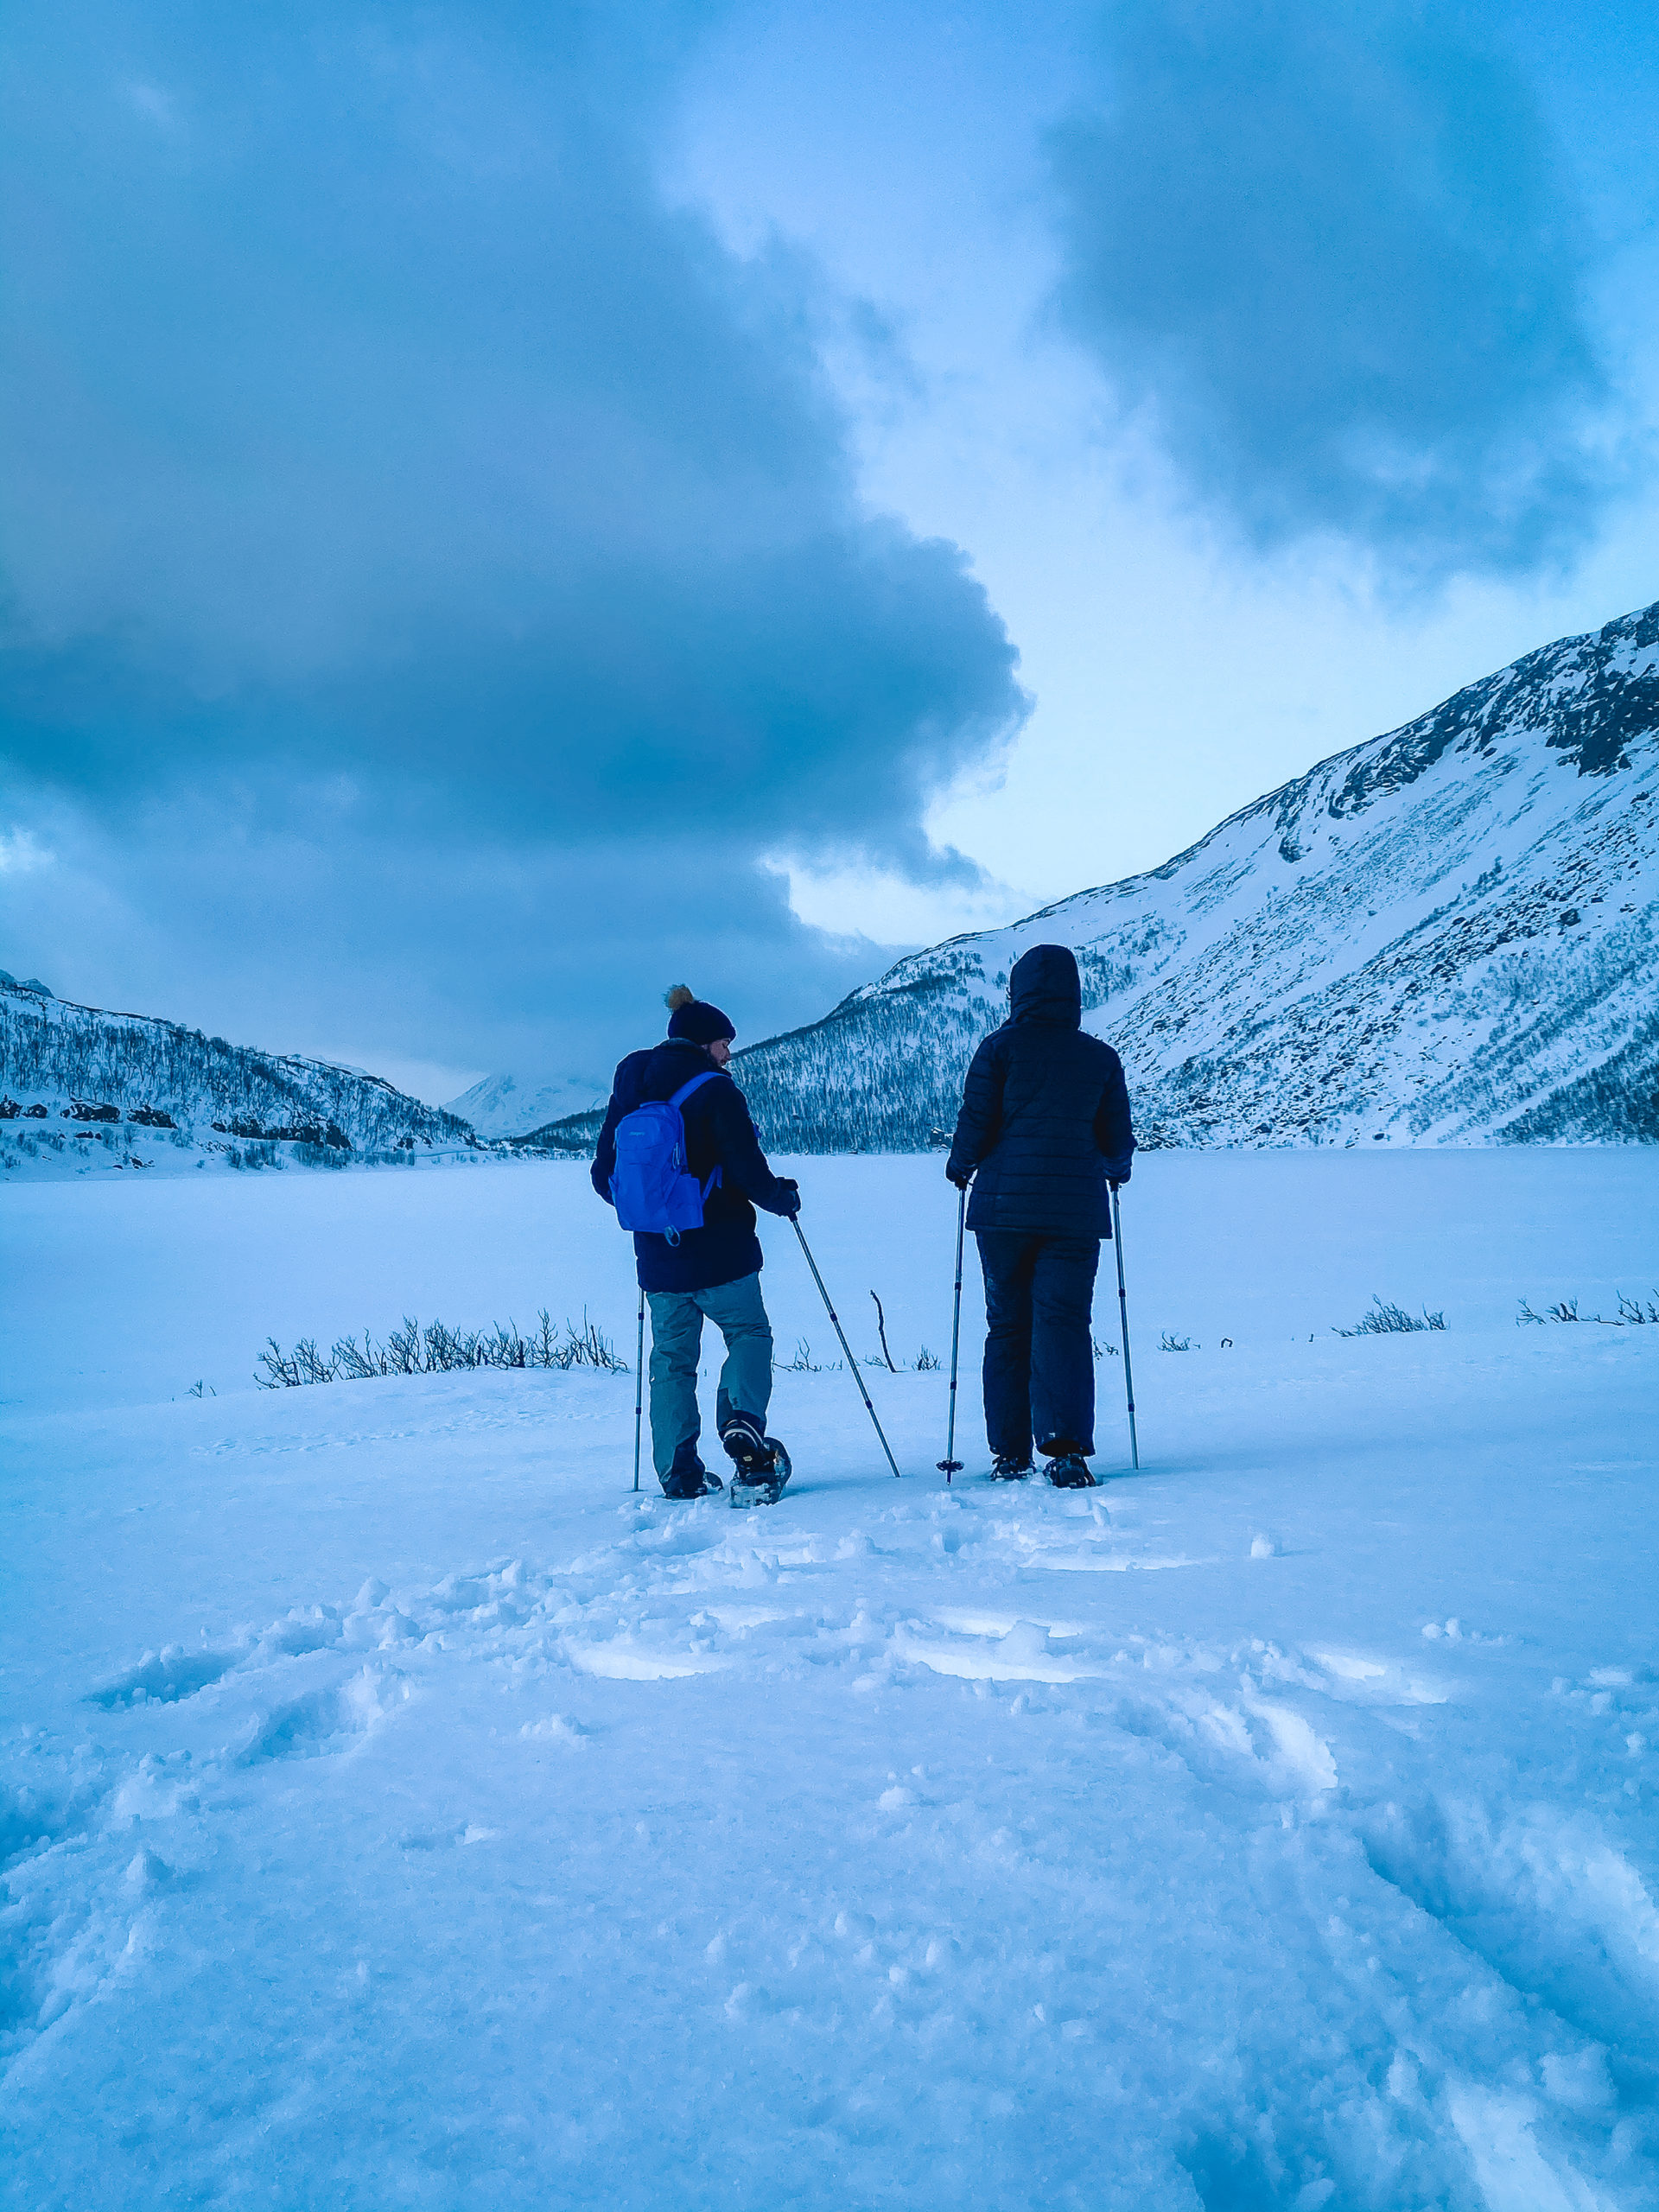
<point>504,508</point>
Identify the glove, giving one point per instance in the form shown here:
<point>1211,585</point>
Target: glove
<point>1117,1174</point>
<point>959,1181</point>
<point>791,1190</point>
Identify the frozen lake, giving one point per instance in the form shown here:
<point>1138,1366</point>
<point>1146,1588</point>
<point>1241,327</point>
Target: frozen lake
<point>395,1812</point>
<point>117,1290</point>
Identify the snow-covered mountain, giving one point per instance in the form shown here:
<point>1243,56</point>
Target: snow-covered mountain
<point>1446,934</point>
<point>78,1084</point>
<point>511,1106</point>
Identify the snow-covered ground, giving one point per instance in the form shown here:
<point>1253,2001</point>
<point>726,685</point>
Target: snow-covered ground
<point>395,1811</point>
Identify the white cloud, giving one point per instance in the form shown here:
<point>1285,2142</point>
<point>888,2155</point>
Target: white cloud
<point>22,854</point>
<point>872,903</point>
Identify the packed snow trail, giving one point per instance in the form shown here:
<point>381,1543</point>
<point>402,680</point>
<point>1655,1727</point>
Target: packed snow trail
<point>399,1812</point>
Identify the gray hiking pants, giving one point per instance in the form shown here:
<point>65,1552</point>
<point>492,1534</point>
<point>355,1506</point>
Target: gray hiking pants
<point>677,1316</point>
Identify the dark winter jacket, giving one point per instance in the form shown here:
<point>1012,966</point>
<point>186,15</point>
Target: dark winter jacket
<point>1044,1114</point>
<point>718,1133</point>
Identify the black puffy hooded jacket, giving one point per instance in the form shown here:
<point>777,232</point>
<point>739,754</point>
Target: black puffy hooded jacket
<point>1045,1111</point>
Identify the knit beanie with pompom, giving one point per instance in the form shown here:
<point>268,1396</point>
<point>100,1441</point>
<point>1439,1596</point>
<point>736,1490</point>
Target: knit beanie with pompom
<point>693,1018</point>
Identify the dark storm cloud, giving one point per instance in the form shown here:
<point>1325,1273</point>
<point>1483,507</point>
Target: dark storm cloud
<point>1333,247</point>
<point>540,957</point>
<point>391,472</point>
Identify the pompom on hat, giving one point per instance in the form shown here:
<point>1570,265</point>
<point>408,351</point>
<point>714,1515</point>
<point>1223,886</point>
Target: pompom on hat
<point>693,1019</point>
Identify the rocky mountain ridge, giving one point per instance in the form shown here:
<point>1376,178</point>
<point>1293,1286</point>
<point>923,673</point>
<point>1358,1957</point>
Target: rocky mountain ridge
<point>1446,934</point>
<point>79,1083</point>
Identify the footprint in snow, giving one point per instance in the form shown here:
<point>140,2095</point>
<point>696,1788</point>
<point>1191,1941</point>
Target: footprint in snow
<point>326,1721</point>
<point>163,1677</point>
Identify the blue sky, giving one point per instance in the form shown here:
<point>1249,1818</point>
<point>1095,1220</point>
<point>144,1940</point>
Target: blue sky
<point>507,510</point>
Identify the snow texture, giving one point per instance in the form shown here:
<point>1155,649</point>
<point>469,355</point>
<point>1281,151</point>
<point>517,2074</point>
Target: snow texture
<point>395,1811</point>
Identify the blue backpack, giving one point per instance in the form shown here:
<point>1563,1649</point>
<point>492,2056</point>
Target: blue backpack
<point>649,1185</point>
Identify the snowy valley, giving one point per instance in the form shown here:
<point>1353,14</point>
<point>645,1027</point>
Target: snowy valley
<point>1127,1680</point>
<point>1445,935</point>
<point>398,1810</point>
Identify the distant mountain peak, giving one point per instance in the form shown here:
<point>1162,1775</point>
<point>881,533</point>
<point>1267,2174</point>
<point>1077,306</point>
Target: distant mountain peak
<point>511,1105</point>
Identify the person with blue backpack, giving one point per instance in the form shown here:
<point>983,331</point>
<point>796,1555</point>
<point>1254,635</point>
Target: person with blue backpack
<point>678,1158</point>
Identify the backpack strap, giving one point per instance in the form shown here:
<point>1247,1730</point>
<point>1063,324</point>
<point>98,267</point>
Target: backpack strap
<point>679,1099</point>
<point>695,1083</point>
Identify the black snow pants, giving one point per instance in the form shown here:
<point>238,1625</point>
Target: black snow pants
<point>1040,1357</point>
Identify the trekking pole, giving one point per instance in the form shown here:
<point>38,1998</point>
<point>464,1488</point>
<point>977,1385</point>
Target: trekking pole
<point>951,1465</point>
<point>1123,1317</point>
<point>639,1388</point>
<point>852,1364</point>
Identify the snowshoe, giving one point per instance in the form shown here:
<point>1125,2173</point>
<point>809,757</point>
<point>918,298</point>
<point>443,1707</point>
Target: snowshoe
<point>1007,1469</point>
<point>762,1481</point>
<point>688,1476</point>
<point>1069,1470</point>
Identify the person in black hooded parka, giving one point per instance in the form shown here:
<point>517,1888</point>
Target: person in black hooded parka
<point>1045,1121</point>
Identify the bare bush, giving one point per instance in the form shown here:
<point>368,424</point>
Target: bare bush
<point>882,1326</point>
<point>1388,1320</point>
<point>439,1350</point>
<point>321,1155</point>
<point>253,1154</point>
<point>1631,1313</point>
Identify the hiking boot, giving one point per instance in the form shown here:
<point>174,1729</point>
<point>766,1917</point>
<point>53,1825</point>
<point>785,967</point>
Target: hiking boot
<point>688,1476</point>
<point>1069,1470</point>
<point>695,1482</point>
<point>762,1484</point>
<point>1005,1468</point>
<point>749,1446</point>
